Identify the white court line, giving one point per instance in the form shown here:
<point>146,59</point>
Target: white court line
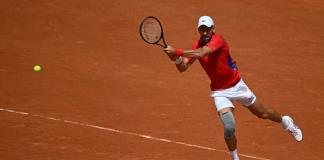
<point>128,133</point>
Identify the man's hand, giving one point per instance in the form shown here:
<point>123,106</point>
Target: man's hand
<point>170,51</point>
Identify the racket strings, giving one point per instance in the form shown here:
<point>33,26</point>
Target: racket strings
<point>151,30</point>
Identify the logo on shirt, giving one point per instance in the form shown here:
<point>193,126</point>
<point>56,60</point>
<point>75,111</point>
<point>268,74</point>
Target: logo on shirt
<point>230,63</point>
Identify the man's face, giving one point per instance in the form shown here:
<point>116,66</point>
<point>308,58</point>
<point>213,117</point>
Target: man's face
<point>205,34</point>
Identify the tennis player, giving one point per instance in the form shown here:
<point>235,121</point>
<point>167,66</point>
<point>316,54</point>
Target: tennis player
<point>227,85</point>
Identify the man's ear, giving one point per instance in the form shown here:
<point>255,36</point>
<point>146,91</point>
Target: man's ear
<point>214,29</point>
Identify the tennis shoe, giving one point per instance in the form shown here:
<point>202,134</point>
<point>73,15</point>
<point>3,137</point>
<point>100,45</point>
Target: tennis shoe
<point>291,127</point>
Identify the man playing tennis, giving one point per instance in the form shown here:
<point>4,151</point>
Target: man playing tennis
<point>212,52</point>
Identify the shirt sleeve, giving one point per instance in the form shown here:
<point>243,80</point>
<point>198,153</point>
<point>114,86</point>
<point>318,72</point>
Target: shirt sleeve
<point>216,43</point>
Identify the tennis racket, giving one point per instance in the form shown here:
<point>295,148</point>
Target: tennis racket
<point>151,31</point>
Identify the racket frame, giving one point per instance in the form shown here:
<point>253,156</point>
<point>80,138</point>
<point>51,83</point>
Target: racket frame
<point>164,45</point>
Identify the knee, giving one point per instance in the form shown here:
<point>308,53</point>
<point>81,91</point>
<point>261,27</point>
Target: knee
<point>264,114</point>
<point>229,131</point>
<point>261,111</point>
<point>229,125</point>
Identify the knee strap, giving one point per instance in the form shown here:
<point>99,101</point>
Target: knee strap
<point>229,125</point>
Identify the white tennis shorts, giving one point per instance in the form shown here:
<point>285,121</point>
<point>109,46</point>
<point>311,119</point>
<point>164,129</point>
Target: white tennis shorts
<point>240,93</point>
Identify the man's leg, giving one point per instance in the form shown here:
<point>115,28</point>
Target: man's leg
<point>265,113</point>
<point>228,121</point>
<point>260,111</point>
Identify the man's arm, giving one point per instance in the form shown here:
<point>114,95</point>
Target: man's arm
<point>188,56</point>
<point>183,63</point>
<point>197,53</point>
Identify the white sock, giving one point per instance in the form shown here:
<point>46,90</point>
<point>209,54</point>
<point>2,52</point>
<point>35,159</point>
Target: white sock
<point>234,155</point>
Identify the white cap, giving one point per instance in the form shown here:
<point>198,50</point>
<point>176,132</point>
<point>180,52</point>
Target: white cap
<point>205,20</point>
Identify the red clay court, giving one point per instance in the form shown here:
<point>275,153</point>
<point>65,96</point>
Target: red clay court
<point>104,94</point>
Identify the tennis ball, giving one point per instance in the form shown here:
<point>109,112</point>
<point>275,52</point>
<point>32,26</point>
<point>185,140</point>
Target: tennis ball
<point>37,68</point>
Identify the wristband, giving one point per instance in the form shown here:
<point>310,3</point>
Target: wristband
<point>179,60</point>
<point>179,52</point>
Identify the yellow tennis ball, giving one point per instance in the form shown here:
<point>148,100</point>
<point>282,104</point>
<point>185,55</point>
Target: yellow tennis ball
<point>37,68</point>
